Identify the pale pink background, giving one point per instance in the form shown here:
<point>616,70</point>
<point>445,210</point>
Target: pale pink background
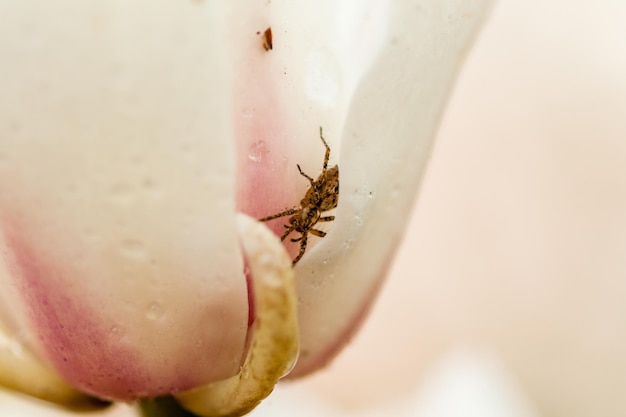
<point>517,245</point>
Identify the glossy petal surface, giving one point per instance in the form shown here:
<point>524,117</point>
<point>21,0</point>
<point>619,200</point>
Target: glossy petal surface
<point>120,262</point>
<point>389,128</point>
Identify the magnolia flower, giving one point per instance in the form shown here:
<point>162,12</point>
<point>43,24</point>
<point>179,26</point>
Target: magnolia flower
<point>138,143</point>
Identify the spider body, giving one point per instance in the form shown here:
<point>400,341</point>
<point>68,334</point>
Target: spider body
<point>322,196</point>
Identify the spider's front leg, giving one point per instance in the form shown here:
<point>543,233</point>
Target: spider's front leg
<point>327,155</point>
<point>311,180</point>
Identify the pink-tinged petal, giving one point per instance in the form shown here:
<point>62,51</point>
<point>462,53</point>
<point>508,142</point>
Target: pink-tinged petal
<point>20,371</point>
<point>120,264</point>
<point>269,104</point>
<point>390,125</point>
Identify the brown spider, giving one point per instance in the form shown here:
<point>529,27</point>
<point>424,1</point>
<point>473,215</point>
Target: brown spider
<point>321,196</point>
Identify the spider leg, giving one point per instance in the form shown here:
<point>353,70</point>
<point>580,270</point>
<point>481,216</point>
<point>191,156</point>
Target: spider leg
<point>327,155</point>
<point>311,180</point>
<point>281,214</point>
<point>296,239</point>
<point>326,219</point>
<point>317,232</point>
<point>289,230</point>
<point>303,243</point>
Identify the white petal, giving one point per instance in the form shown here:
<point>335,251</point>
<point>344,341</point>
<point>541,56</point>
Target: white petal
<point>117,226</point>
<point>387,137</point>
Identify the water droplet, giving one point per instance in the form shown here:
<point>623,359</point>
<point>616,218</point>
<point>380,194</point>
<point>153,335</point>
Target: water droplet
<point>4,161</point>
<point>395,191</point>
<point>154,311</point>
<point>72,188</point>
<point>258,150</point>
<point>134,249</point>
<point>151,187</point>
<point>248,112</point>
<point>90,235</point>
<point>185,147</point>
<point>137,159</point>
<point>122,194</point>
<point>291,364</point>
<point>15,126</point>
<point>116,331</point>
<point>148,183</point>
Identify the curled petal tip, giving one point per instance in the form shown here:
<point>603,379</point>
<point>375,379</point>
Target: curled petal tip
<point>274,334</point>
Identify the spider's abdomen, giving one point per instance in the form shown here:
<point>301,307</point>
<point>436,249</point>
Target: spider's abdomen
<point>329,190</point>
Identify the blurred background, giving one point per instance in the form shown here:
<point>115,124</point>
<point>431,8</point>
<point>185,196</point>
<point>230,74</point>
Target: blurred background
<point>508,296</point>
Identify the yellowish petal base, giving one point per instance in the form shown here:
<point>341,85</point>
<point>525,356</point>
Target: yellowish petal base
<point>274,344</point>
<point>20,371</point>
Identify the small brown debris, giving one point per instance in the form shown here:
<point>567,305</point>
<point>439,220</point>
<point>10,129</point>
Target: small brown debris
<point>267,39</point>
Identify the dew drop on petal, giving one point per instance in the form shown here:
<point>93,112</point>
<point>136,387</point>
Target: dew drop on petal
<point>72,188</point>
<point>151,188</point>
<point>117,331</point>
<point>258,151</point>
<point>395,192</point>
<point>291,364</point>
<point>121,195</point>
<point>248,112</point>
<point>4,161</point>
<point>89,234</point>
<point>184,147</point>
<point>154,311</point>
<point>134,249</point>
